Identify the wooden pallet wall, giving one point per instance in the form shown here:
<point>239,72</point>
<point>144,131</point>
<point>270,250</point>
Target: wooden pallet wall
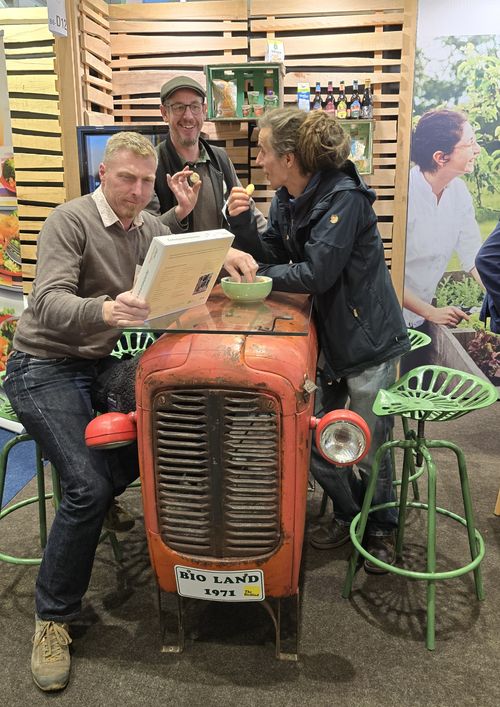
<point>334,40</point>
<point>152,43</point>
<point>36,130</point>
<point>95,55</point>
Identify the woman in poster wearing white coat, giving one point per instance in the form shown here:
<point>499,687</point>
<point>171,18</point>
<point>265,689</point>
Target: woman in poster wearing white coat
<point>441,218</point>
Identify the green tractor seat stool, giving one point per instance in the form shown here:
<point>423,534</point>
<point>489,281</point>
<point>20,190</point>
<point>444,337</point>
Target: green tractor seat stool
<point>41,497</point>
<point>427,393</point>
<point>417,340</point>
<point>129,344</point>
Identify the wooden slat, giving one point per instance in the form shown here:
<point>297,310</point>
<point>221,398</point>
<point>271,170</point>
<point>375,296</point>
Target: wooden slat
<point>330,21</point>
<point>52,144</point>
<point>96,46</point>
<point>23,51</point>
<point>88,26</point>
<point>225,9</point>
<point>199,60</point>
<point>28,226</point>
<point>33,211</point>
<point>178,27</point>
<point>100,66</point>
<point>131,45</point>
<point>29,160</point>
<point>28,15</point>
<point>38,125</point>
<point>262,8</point>
<point>28,252</point>
<point>26,34</point>
<point>101,18</point>
<point>45,63</point>
<point>315,45</point>
<point>34,105</point>
<point>98,97</point>
<point>94,118</point>
<point>99,6</point>
<point>103,84</point>
<point>50,195</point>
<point>41,84</point>
<point>132,82</point>
<point>292,78</point>
<point>32,176</point>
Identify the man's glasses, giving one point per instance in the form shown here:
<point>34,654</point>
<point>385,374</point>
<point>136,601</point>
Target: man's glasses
<point>180,108</point>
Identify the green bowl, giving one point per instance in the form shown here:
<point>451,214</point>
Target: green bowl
<point>247,291</point>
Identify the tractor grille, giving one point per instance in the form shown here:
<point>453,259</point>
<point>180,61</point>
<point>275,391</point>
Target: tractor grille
<point>217,471</point>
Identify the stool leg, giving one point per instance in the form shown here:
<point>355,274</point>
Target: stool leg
<point>56,486</point>
<point>469,517</point>
<point>403,499</point>
<point>414,483</point>
<point>431,550</point>
<point>40,482</point>
<point>367,502</point>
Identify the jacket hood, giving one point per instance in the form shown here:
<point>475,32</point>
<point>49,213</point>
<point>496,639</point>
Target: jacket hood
<point>326,183</point>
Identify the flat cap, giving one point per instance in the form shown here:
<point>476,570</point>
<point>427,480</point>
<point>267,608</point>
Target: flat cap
<point>180,82</point>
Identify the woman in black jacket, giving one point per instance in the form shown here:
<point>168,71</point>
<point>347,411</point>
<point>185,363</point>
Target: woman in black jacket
<point>322,239</point>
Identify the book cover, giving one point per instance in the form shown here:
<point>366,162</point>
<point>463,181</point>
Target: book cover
<point>180,270</point>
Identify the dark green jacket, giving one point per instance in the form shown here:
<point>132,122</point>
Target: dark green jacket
<point>330,235</point>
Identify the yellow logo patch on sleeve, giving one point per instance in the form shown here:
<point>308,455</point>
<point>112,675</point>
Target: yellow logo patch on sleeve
<point>334,218</point>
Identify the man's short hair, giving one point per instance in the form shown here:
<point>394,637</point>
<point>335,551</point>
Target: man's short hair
<point>135,142</point>
<point>180,82</point>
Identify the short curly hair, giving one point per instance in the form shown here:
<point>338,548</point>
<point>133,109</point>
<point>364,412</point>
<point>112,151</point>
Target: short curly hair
<point>317,140</point>
<point>437,130</point>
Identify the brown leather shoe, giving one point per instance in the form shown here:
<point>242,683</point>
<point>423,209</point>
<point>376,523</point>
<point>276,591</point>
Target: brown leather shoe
<point>383,548</point>
<point>329,536</point>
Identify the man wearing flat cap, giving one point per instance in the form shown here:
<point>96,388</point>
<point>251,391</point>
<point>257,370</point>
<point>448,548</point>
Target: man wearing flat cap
<point>202,174</point>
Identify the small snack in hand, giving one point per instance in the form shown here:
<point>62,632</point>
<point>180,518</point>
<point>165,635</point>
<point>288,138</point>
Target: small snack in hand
<point>195,177</point>
<point>250,189</point>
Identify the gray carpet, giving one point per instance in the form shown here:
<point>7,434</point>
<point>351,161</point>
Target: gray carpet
<point>368,650</point>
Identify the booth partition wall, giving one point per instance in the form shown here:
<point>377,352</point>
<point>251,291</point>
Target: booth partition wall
<point>109,70</point>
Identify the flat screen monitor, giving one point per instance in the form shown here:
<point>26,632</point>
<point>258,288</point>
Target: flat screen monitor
<point>92,141</point>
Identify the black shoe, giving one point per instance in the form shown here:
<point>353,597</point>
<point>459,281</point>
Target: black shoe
<point>327,537</point>
<point>383,548</point>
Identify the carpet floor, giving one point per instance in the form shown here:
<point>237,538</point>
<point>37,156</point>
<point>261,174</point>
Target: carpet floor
<point>368,650</point>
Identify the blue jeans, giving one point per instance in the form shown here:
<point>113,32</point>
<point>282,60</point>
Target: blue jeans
<point>53,400</point>
<point>342,484</point>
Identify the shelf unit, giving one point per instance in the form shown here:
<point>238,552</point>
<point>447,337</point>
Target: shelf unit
<point>257,76</point>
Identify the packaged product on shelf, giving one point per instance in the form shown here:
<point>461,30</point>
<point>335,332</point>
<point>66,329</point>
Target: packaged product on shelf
<point>303,96</point>
<point>225,98</point>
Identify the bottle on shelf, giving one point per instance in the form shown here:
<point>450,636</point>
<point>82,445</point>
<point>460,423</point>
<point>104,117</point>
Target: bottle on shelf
<point>317,103</point>
<point>367,101</point>
<point>342,103</point>
<point>355,102</point>
<point>329,101</point>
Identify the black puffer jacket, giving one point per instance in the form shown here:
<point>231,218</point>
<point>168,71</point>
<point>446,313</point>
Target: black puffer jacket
<point>330,234</point>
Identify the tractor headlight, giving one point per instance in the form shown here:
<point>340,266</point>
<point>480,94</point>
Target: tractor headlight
<point>342,437</point>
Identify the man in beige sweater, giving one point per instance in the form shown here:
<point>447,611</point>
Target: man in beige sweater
<point>88,250</point>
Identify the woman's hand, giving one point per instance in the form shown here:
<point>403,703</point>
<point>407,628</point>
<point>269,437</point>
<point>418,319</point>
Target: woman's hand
<point>125,311</point>
<point>185,190</point>
<point>449,316</point>
<point>240,265</point>
<point>238,201</point>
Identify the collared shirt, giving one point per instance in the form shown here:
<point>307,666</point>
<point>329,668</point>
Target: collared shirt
<point>107,214</point>
<point>435,230</point>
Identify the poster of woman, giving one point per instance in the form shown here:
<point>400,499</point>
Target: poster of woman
<point>454,185</point>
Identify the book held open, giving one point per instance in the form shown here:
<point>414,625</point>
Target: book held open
<point>180,270</point>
